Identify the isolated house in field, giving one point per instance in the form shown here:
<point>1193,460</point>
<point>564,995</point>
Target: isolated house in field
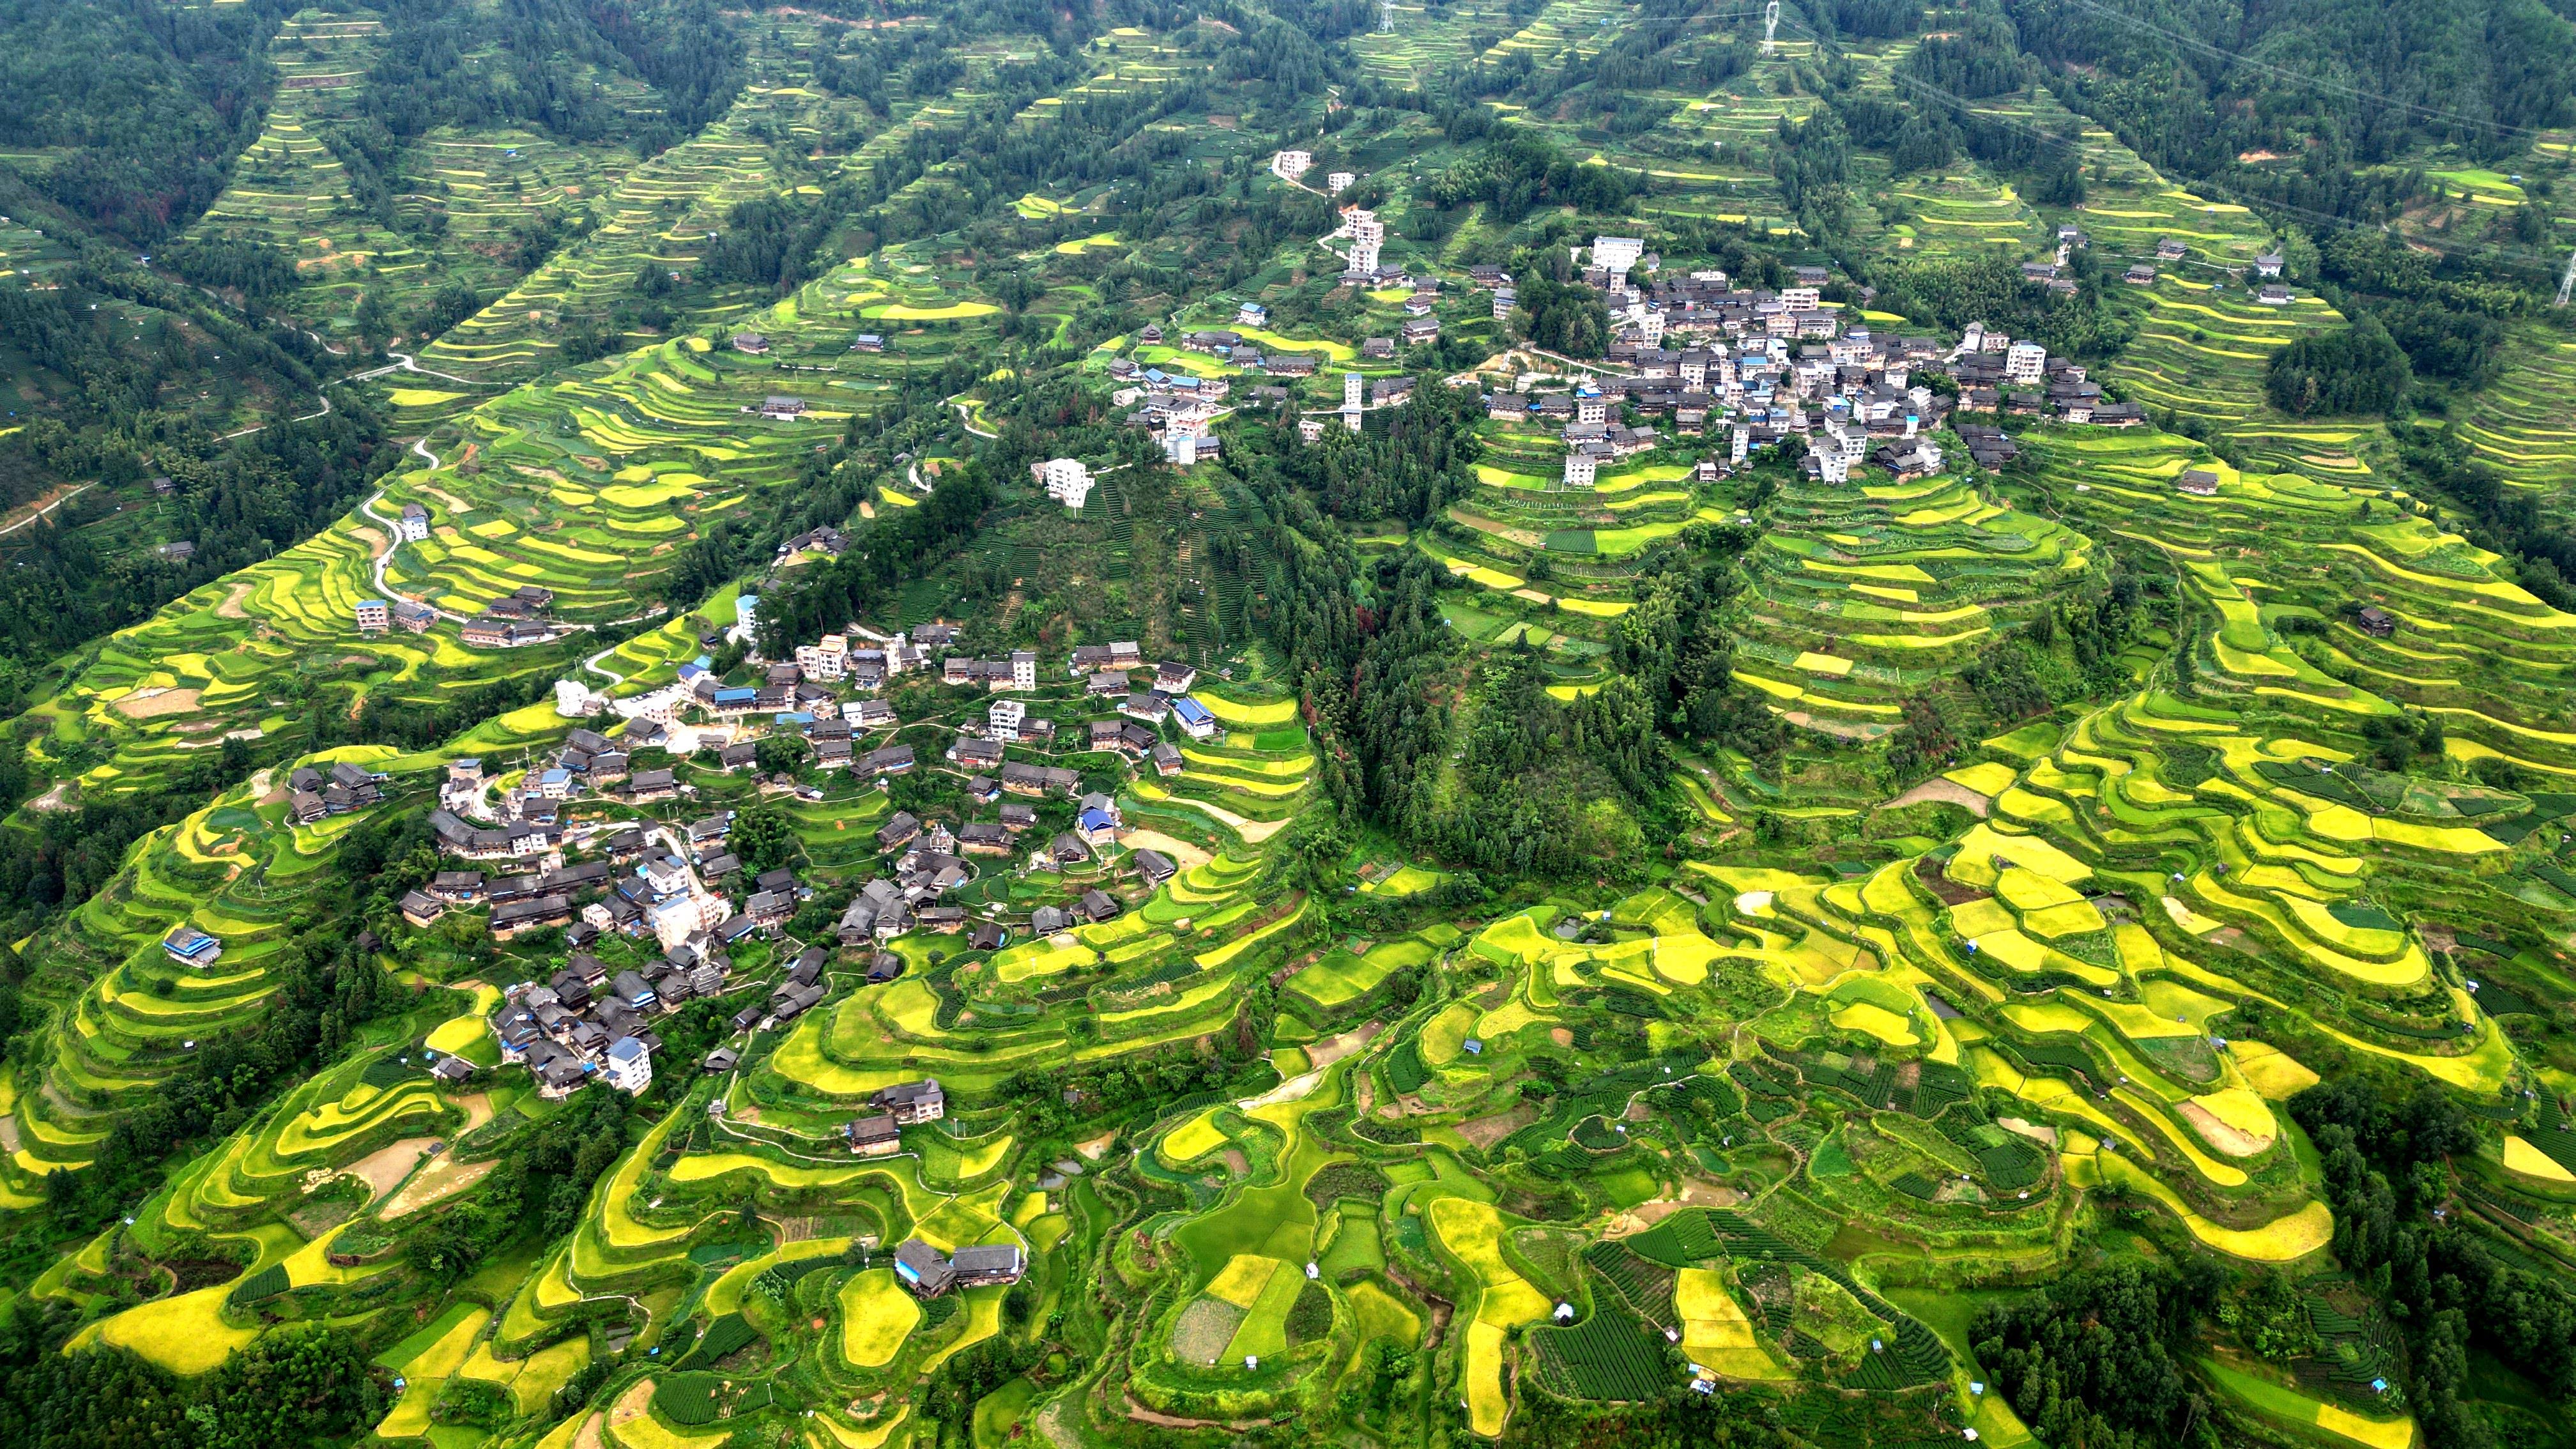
<point>191,947</point>
<point>750,344</point>
<point>2377,622</point>
<point>2199,482</point>
<point>778,405</point>
<point>913,1102</point>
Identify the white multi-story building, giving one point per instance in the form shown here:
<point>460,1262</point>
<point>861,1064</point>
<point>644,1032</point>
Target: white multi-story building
<point>2025,362</point>
<point>1618,253</point>
<point>1354,397</point>
<point>1339,182</point>
<point>1801,299</point>
<point>415,523</point>
<point>1003,718</point>
<point>829,659</point>
<point>630,1065</point>
<point>574,700</point>
<point>1579,470</point>
<point>1291,165</point>
<point>1368,236</point>
<point>1024,670</point>
<point>374,616</point>
<point>1067,480</point>
<point>683,916</point>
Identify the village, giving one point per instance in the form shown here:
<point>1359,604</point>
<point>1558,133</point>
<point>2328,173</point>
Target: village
<point>595,847</point>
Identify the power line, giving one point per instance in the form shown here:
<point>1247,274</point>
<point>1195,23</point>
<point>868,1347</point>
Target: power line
<point>2319,218</point>
<point>2299,77</point>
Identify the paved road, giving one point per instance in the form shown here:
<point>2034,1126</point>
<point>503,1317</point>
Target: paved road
<point>402,362</point>
<point>393,541</point>
<point>67,497</point>
<point>308,417</point>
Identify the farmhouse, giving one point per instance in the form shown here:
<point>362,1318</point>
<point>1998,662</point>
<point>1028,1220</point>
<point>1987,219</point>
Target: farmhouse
<point>191,947</point>
<point>877,1136</point>
<point>913,1103</point>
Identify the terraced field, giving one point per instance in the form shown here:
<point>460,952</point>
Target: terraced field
<point>1167,972</point>
<point>2518,422</point>
<point>292,190</point>
<point>1863,595</point>
<point>589,485</point>
<point>236,870</point>
<point>1325,1135</point>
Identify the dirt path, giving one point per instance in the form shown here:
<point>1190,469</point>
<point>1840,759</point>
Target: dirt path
<point>231,607</point>
<point>45,505</point>
<point>1184,854</point>
<point>444,1179</point>
<point>1143,1415</point>
<point>2233,1141</point>
<point>384,1169</point>
<point>1937,788</point>
<point>154,703</point>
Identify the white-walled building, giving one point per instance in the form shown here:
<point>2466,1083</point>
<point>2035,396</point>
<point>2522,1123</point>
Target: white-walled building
<point>1618,253</point>
<point>2026,363</point>
<point>1339,182</point>
<point>1579,470</point>
<point>1290,165</point>
<point>1368,237</point>
<point>629,1067</point>
<point>1066,480</point>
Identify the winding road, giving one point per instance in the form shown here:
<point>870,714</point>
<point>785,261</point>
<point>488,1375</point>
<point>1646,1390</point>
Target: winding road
<point>393,541</point>
<point>262,427</point>
<point>67,496</point>
<point>402,362</point>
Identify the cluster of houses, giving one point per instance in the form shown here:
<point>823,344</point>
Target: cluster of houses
<point>1760,366</point>
<point>313,796</point>
<point>583,1024</point>
<point>1995,373</point>
<point>512,621</point>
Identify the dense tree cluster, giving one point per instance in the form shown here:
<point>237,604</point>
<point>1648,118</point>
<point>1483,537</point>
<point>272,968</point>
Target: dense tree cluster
<point>1520,171</point>
<point>882,557</point>
<point>2355,369</point>
<point>2097,1359</point>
